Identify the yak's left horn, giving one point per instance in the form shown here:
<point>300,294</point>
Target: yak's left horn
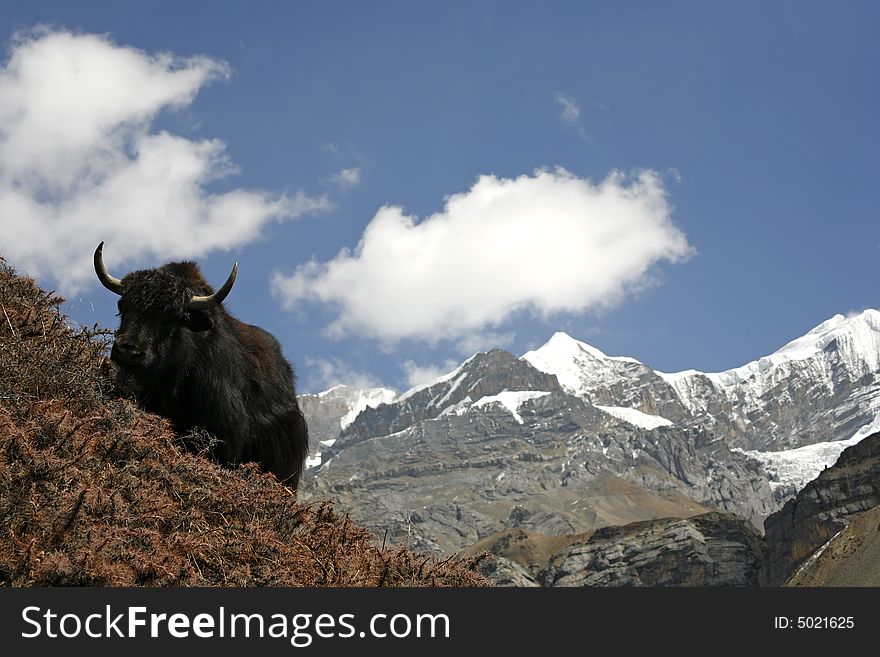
<point>208,302</point>
<point>110,282</point>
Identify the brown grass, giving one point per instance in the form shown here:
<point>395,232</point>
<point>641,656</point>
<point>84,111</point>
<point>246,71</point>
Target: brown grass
<point>96,492</point>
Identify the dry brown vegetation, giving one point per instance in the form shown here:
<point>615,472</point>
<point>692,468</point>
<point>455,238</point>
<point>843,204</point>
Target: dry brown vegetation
<point>94,491</point>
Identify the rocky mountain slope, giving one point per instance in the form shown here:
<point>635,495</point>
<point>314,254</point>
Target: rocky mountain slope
<point>851,558</point>
<point>820,387</point>
<point>711,549</point>
<point>498,443</point>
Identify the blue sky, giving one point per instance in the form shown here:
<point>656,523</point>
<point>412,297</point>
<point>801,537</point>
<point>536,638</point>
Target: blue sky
<point>744,213</point>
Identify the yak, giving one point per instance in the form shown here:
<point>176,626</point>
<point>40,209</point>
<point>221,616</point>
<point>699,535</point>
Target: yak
<point>184,356</point>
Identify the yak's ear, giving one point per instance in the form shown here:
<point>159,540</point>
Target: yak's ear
<point>199,321</point>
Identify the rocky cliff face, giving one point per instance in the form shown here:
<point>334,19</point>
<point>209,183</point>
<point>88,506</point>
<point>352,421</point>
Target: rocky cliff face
<point>825,507</point>
<point>712,549</point>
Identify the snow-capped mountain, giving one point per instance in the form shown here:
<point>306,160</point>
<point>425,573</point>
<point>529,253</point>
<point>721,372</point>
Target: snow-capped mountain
<point>856,338</point>
<point>566,438</point>
<point>821,387</point>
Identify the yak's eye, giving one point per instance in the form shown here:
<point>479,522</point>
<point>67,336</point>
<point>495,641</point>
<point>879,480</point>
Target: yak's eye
<point>119,308</point>
<point>198,321</point>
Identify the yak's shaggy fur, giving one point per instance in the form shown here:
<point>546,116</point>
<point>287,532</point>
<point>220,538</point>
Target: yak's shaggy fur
<point>209,370</point>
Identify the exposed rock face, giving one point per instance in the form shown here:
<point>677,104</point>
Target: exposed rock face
<point>714,549</point>
<point>506,572</point>
<point>825,507</point>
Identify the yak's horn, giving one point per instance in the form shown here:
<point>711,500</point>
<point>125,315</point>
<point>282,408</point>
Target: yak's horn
<point>110,282</point>
<point>208,302</point>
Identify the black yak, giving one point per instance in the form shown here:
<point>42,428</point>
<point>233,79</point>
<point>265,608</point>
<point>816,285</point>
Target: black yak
<point>185,357</point>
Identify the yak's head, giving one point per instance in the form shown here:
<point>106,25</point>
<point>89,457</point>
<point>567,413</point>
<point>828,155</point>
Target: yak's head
<point>160,311</point>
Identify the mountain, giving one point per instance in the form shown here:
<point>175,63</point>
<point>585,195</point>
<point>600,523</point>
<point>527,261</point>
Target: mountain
<point>612,381</point>
<point>819,392</point>
<point>831,373</point>
<point>498,443</point>
<point>566,440</point>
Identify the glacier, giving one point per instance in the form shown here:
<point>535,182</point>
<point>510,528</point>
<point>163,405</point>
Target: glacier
<point>791,470</point>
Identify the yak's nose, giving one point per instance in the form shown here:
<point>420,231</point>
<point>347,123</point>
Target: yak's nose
<point>125,352</point>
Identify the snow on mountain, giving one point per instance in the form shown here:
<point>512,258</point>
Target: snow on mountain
<point>792,469</point>
<point>636,417</point>
<point>578,366</point>
<point>817,393</point>
<point>366,399</point>
<point>511,400</point>
<point>440,379</point>
<point>334,409</point>
<point>820,387</point>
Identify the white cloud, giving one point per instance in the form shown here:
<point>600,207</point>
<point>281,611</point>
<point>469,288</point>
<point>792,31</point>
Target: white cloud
<point>483,341</point>
<point>571,112</point>
<point>418,375</point>
<point>546,243</point>
<point>79,164</point>
<point>347,178</point>
<point>328,372</point>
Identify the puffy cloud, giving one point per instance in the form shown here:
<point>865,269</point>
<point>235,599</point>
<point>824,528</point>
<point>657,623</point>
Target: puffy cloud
<point>545,243</point>
<point>79,164</point>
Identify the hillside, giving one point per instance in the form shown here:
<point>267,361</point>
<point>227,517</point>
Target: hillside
<point>94,491</point>
<point>851,558</point>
